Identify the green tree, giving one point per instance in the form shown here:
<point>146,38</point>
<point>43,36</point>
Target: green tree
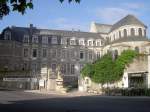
<point>107,70</point>
<point>6,6</point>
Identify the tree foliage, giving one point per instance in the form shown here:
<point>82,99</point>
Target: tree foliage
<point>107,70</point>
<point>88,70</point>
<point>6,6</point>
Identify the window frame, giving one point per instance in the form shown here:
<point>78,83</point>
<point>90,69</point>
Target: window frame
<point>82,52</point>
<point>33,53</point>
<point>25,52</point>
<point>7,35</point>
<point>26,39</point>
<point>35,39</point>
<point>44,40</point>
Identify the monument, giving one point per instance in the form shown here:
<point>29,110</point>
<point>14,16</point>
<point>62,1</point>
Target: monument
<point>59,81</point>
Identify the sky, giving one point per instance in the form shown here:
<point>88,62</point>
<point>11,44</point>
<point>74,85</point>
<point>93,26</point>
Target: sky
<point>51,14</point>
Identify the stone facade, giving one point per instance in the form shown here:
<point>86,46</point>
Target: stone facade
<point>40,51</point>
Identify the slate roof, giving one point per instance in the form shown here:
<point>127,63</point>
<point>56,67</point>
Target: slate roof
<point>19,32</point>
<point>128,20</point>
<point>129,39</point>
<point>103,28</point>
<point>65,33</point>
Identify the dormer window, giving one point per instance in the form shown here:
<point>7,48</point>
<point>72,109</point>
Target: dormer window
<point>64,41</point>
<point>90,42</point>
<point>81,42</point>
<point>7,35</point>
<point>54,40</point>
<point>45,40</point>
<point>26,39</point>
<point>35,39</point>
<point>98,43</point>
<point>72,42</point>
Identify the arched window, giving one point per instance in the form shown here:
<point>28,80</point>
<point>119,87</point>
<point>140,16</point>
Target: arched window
<point>140,31</point>
<point>114,37</point>
<point>137,49</point>
<point>114,54</point>
<point>145,33</point>
<point>119,34</point>
<point>132,32</point>
<point>125,32</point>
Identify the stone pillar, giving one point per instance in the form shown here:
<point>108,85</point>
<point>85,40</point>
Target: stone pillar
<point>48,80</point>
<point>125,80</point>
<point>80,84</point>
<point>148,75</point>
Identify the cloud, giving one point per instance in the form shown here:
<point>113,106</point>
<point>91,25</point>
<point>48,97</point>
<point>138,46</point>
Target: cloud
<point>112,14</point>
<point>60,20</point>
<point>65,24</point>
<point>133,5</point>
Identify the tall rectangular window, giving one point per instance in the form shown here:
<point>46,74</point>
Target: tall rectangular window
<point>90,43</point>
<point>34,67</point>
<point>98,55</point>
<point>90,55</point>
<point>81,66</point>
<point>72,53</point>
<point>26,39</point>
<point>34,53</point>
<point>53,66</point>
<point>44,53</point>
<point>54,53</point>
<point>63,68</point>
<point>81,55</point>
<point>25,52</point>
<point>68,68</point>
<point>64,53</point>
<point>72,69</point>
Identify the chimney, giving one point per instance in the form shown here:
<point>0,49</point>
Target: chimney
<point>31,25</point>
<point>31,29</point>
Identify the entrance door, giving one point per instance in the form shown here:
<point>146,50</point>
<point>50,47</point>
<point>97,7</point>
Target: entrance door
<point>137,80</point>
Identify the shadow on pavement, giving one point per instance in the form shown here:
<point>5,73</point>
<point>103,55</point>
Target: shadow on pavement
<point>79,104</point>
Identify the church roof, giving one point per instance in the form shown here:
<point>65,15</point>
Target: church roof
<point>128,20</point>
<point>103,28</point>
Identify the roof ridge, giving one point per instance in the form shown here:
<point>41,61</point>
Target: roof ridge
<point>103,24</point>
<point>127,20</point>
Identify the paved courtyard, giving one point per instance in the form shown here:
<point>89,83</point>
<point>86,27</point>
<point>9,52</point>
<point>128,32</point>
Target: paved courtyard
<point>20,101</point>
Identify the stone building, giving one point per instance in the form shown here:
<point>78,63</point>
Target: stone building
<point>30,54</point>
